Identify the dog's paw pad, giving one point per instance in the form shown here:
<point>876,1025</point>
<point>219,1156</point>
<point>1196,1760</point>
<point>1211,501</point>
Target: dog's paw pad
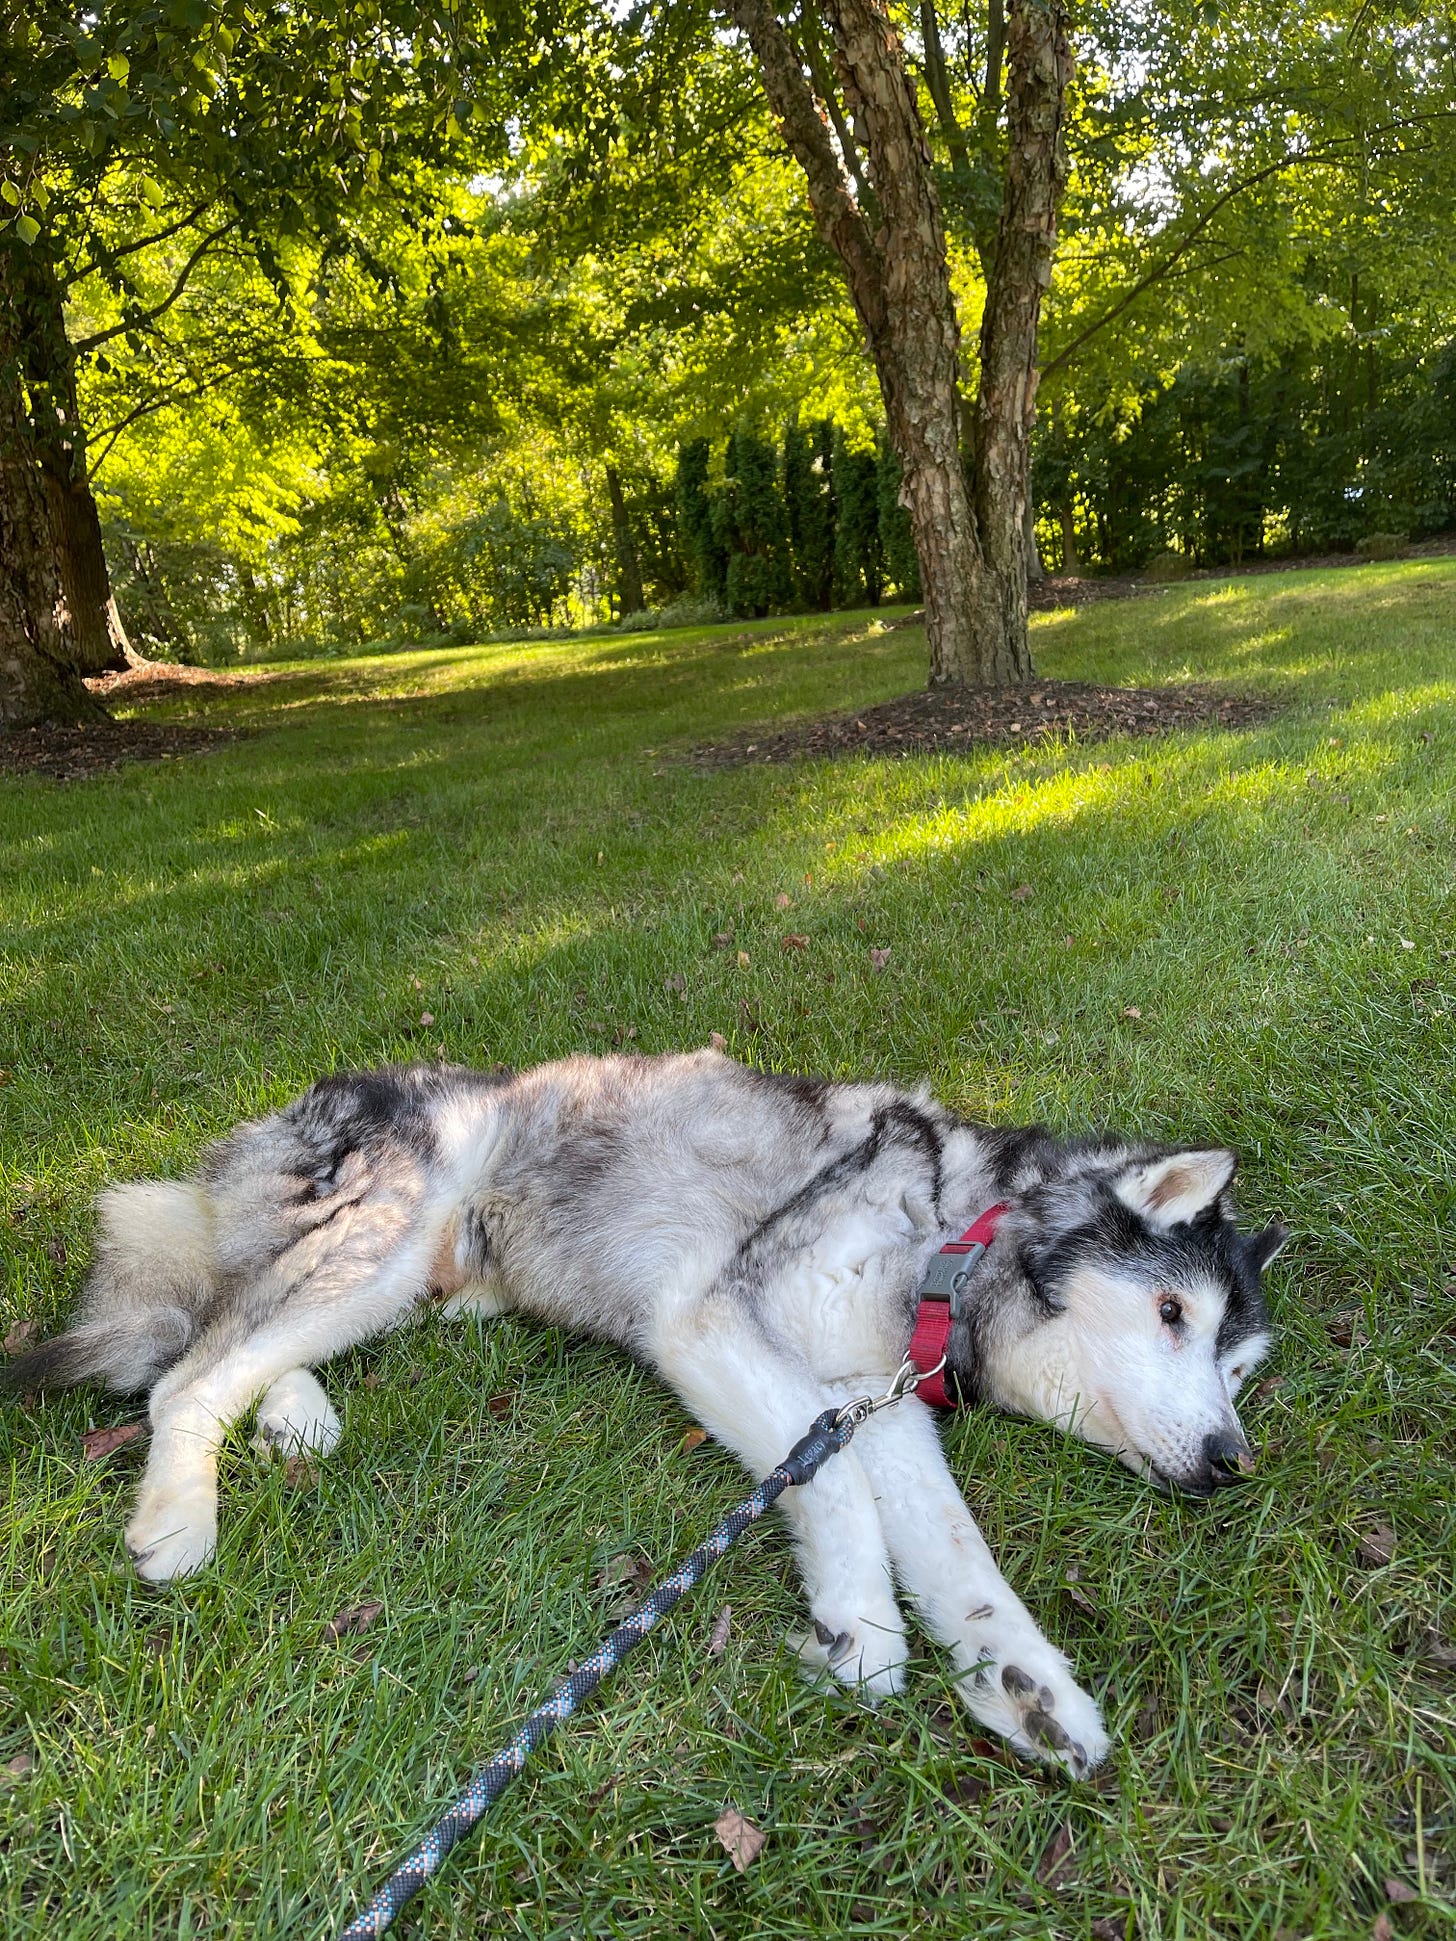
<point>1051,1733</point>
<point>866,1660</point>
<point>1046,1717</point>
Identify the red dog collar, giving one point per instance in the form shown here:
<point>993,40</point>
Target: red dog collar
<point>939,1293</point>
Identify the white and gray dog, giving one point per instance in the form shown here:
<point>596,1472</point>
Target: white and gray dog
<point>757,1242</point>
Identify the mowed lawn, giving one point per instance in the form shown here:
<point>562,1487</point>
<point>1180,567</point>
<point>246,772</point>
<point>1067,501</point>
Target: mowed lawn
<point>501,854</point>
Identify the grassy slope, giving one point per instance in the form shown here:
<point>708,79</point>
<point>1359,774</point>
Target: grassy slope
<point>1244,937</point>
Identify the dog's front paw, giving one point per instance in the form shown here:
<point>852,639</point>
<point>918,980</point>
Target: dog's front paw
<point>297,1418</point>
<point>1030,1697</point>
<point>172,1533</point>
<point>866,1658</point>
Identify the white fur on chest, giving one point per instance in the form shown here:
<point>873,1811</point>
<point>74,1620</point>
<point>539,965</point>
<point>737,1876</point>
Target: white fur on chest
<point>840,1299</point>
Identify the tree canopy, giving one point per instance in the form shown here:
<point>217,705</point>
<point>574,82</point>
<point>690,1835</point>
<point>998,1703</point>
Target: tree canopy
<point>383,323</point>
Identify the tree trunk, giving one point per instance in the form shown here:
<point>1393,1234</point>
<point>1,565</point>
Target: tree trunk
<point>1039,66</point>
<point>60,447</point>
<point>39,679</point>
<point>1035,570</point>
<point>1071,565</point>
<point>629,573</point>
<point>899,283</point>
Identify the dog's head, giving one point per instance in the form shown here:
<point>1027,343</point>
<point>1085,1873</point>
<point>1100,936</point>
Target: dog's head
<point>1141,1313</point>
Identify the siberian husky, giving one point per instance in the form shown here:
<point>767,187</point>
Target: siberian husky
<point>755,1240</point>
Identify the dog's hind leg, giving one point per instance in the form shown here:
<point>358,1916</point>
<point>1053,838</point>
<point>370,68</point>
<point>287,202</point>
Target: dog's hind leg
<point>296,1417</point>
<point>1011,1677</point>
<point>343,1300</point>
<point>758,1397</point>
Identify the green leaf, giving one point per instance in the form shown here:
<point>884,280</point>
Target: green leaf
<point>27,228</point>
<point>153,192</point>
<point>10,193</point>
<point>118,66</point>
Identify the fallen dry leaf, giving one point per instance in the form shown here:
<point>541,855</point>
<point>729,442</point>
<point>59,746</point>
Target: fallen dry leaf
<point>743,960</point>
<point>1114,1927</point>
<point>299,1473</point>
<point>1058,1863</point>
<point>740,1839</point>
<point>879,959</point>
<point>781,901</point>
<point>628,1576</point>
<point>966,1789</point>
<point>677,982</point>
<point>1400,1890</point>
<point>427,1018</point>
<point>353,1618</point>
<point>1021,893</point>
<point>795,940</point>
<point>1074,1590</point>
<point>718,1636</point>
<point>1377,1546</point>
<point>500,1405</point>
<point>1131,1011</point>
<point>371,1380</point>
<point>20,1337</point>
<point>1347,1329</point>
<point>1270,1385</point>
<point>1382,1930</point>
<point>722,939</point>
<point>1434,1650</point>
<point>17,1767</point>
<point>691,1440</point>
<point>717,1041</point>
<point>97,1443</point>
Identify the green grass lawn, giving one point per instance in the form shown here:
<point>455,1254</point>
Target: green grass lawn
<point>500,855</point>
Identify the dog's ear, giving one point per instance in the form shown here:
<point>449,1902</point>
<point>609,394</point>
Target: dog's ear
<point>1168,1191</point>
<point>1262,1248</point>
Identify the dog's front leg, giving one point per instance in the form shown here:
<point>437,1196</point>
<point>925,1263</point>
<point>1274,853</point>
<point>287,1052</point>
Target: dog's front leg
<point>758,1397</point>
<point>1011,1678</point>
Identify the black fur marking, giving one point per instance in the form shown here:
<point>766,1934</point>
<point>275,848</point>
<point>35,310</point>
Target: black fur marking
<point>473,1251</point>
<point>1174,1258</point>
<point>896,1124</point>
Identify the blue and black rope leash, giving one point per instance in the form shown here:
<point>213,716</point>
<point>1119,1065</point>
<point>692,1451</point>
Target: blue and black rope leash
<point>828,1435</point>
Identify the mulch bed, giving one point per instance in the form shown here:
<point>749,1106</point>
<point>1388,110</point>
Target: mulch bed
<point>100,747</point>
<point>948,719</point>
<point>159,680</point>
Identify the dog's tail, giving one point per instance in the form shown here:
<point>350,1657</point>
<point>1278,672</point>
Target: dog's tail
<point>155,1267</point>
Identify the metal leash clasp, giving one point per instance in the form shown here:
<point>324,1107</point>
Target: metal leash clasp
<point>906,1379</point>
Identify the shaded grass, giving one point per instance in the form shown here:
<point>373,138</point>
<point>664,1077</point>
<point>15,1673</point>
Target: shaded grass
<point>1240,936</point>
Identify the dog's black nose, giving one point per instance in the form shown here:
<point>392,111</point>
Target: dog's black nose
<point>1228,1456</point>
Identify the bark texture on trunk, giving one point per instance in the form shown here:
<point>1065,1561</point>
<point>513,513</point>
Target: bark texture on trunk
<point>1066,513</point>
<point>973,560</point>
<point>899,284</point>
<point>38,678</point>
<point>629,573</point>
<point>1039,69</point>
<point>60,447</point>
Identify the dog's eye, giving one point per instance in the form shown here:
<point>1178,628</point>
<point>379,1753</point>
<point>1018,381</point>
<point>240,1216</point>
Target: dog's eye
<point>1171,1311</point>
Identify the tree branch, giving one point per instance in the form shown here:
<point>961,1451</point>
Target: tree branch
<point>100,337</point>
<point>1326,155</point>
<point>142,242</point>
<point>824,88</point>
<point>837,215</point>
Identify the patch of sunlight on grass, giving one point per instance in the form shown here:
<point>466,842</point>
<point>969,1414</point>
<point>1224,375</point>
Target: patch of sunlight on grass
<point>1380,710</point>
